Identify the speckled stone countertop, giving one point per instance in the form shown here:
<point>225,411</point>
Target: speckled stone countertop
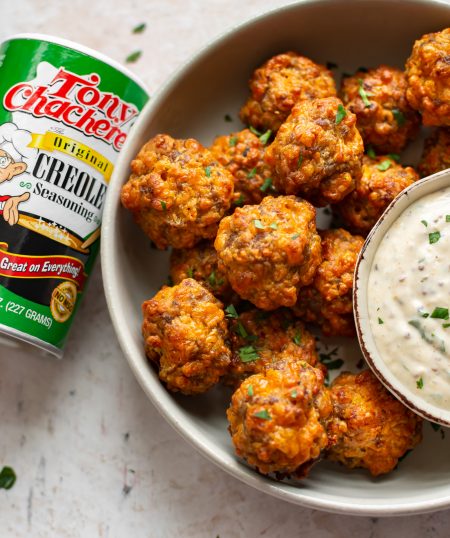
<point>92,455</point>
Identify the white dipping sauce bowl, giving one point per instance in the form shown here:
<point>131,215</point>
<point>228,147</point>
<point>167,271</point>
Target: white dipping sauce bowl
<point>193,103</point>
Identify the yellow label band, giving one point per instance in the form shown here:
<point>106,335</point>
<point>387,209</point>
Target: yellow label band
<point>54,141</point>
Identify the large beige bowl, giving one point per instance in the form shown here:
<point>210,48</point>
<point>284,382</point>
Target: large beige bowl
<point>351,33</point>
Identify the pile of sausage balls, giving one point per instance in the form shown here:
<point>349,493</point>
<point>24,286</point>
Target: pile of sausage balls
<point>251,272</point>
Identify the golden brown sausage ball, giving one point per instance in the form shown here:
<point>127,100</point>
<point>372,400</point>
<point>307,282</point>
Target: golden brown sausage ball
<point>384,117</point>
<point>328,300</point>
<point>380,429</point>
<point>242,154</point>
<point>278,420</point>
<point>381,181</point>
<point>201,264</point>
<point>177,192</point>
<point>269,251</point>
<point>317,152</point>
<point>185,334</point>
<point>428,75</point>
<point>436,153</point>
<point>261,341</point>
<point>281,82</point>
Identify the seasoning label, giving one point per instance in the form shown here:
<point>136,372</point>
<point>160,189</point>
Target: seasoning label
<point>64,117</point>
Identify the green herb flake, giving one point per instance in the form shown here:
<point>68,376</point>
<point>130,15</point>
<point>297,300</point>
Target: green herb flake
<point>248,354</point>
<point>163,205</point>
<point>230,312</point>
<point>190,272</point>
<point>440,313</point>
<point>371,153</point>
<point>380,321</point>
<point>363,94</point>
<point>394,156</point>
<point>264,138</point>
<point>297,338</point>
<point>252,173</point>
<point>255,131</point>
<point>446,325</point>
<point>228,118</point>
<point>434,237</point>
<point>139,28</point>
<point>295,236</point>
<point>300,160</point>
<point>340,115</point>
<point>294,394</point>
<point>334,365</point>
<point>274,226</point>
<point>266,185</point>
<point>7,478</point>
<point>264,414</point>
<point>258,224</point>
<point>419,383</point>
<point>208,171</point>
<point>384,165</point>
<point>399,117</point>
<point>250,390</point>
<point>212,279</point>
<point>447,218</point>
<point>330,360</point>
<point>133,57</point>
<point>241,330</point>
<point>240,200</point>
<point>424,222</point>
<point>232,141</point>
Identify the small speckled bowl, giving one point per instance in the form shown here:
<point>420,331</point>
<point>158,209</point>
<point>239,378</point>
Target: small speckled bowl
<point>411,399</point>
<point>194,103</point>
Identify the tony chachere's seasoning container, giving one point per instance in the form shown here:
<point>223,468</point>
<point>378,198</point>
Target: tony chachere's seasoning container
<point>65,113</point>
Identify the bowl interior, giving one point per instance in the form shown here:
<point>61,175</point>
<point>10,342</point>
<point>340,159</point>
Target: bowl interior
<point>351,33</point>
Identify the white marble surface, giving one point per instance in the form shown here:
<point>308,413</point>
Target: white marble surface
<point>92,455</point>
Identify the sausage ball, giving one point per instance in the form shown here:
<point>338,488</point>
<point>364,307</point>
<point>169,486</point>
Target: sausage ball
<point>381,181</point>
<point>379,429</point>
<point>177,192</point>
<point>261,341</point>
<point>242,154</point>
<point>281,82</point>
<point>185,334</point>
<point>328,300</point>
<point>436,153</point>
<point>317,152</point>
<point>269,251</point>
<point>278,419</point>
<point>384,117</point>
<point>201,264</point>
<point>428,76</point>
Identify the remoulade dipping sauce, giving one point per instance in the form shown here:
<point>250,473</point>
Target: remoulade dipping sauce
<point>409,298</point>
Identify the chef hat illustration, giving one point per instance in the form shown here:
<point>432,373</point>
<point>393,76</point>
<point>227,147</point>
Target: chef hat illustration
<point>15,142</point>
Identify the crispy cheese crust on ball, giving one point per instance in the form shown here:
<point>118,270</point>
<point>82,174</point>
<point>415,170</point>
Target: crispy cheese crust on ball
<point>384,117</point>
<point>436,153</point>
<point>185,334</point>
<point>261,341</point>
<point>269,251</point>
<point>328,300</point>
<point>278,420</point>
<point>242,154</point>
<point>428,75</point>
<point>281,82</point>
<point>379,429</point>
<point>381,181</point>
<point>177,192</point>
<point>317,152</point>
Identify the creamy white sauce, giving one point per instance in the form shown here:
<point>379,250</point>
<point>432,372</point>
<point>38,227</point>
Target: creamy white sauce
<point>410,278</point>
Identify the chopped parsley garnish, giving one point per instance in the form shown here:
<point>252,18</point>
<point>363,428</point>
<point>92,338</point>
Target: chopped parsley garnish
<point>297,338</point>
<point>264,138</point>
<point>241,330</point>
<point>419,383</point>
<point>424,222</point>
<point>232,141</point>
<point>300,160</point>
<point>295,236</point>
<point>7,478</point>
<point>163,205</point>
<point>240,200</point>
<point>446,325</point>
<point>380,321</point>
<point>274,226</point>
<point>371,152</point>
<point>139,28</point>
<point>190,272</point>
<point>294,394</point>
<point>248,354</point>
<point>384,165</point>
<point>266,185</point>
<point>208,171</point>
<point>230,312</point>
<point>330,360</point>
<point>332,65</point>
<point>228,118</point>
<point>447,218</point>
<point>133,57</point>
<point>252,173</point>
<point>255,131</point>
<point>440,313</point>
<point>363,94</point>
<point>434,237</point>
<point>399,116</point>
<point>264,414</point>
<point>394,156</point>
<point>258,224</point>
<point>250,390</point>
<point>214,281</point>
<point>340,115</point>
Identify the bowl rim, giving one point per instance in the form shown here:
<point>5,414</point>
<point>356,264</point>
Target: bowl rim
<point>149,383</point>
<point>405,199</point>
